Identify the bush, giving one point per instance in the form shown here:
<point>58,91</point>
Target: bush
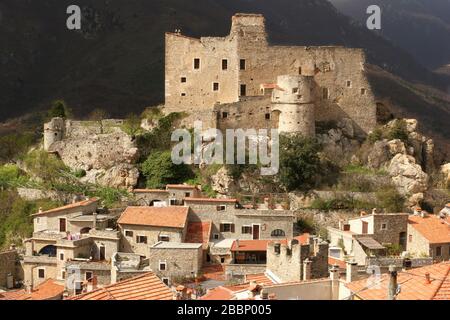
<point>59,109</point>
<point>306,225</point>
<point>389,199</point>
<point>398,131</point>
<point>375,135</point>
<point>45,166</point>
<point>299,162</point>
<point>10,176</point>
<point>159,170</point>
<point>132,125</point>
<point>14,145</point>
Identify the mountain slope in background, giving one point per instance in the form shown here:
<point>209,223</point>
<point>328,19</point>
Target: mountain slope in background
<point>116,61</point>
<point>421,27</point>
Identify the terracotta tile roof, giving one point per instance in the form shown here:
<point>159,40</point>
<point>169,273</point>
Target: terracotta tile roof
<point>143,287</point>
<point>302,239</point>
<point>12,295</point>
<point>340,263</point>
<point>413,284</point>
<point>271,86</point>
<point>47,290</point>
<point>150,191</point>
<point>434,229</point>
<point>198,232</point>
<point>219,200</point>
<point>174,217</point>
<point>213,272</point>
<point>250,245</point>
<point>259,278</point>
<point>83,203</point>
<point>225,292</point>
<point>180,186</point>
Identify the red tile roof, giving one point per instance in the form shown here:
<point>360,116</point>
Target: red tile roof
<point>83,203</point>
<point>340,263</point>
<point>47,290</point>
<point>259,278</point>
<point>173,217</point>
<point>150,191</point>
<point>413,284</point>
<point>434,229</point>
<point>143,287</point>
<point>250,245</point>
<point>198,232</point>
<point>180,186</point>
<point>213,272</point>
<point>218,200</point>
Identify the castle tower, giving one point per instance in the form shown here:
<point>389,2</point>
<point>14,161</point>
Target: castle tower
<point>249,27</point>
<point>293,98</point>
<point>53,131</point>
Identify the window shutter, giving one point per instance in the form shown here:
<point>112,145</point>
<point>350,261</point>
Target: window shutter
<point>232,228</point>
<point>221,227</point>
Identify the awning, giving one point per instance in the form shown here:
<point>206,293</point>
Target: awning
<point>370,243</point>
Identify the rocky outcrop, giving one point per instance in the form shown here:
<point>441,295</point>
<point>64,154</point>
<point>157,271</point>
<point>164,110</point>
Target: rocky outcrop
<point>222,182</point>
<point>445,171</point>
<point>407,176</point>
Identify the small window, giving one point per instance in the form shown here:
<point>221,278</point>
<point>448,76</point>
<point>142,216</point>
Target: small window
<point>128,233</point>
<point>438,251</point>
<point>224,115</point>
<point>227,227</point>
<point>300,70</point>
<point>278,233</point>
<point>37,220</point>
<point>162,266</point>
<point>63,274</point>
<point>224,64</point>
<point>243,90</point>
<point>349,84</point>
<point>183,94</point>
<point>88,275</point>
<point>165,281</point>
<point>215,86</point>
<point>187,194</point>
<point>164,238</point>
<point>222,260</point>
<point>363,91</point>
<point>277,248</point>
<point>246,229</point>
<point>410,238</point>
<point>173,202</point>
<point>221,207</point>
<point>325,93</point>
<point>41,273</point>
<point>294,90</point>
<point>141,239</point>
<point>242,64</point>
<point>196,63</point>
<point>267,116</point>
<point>183,79</point>
<point>384,226</point>
<point>216,236</point>
<point>61,256</point>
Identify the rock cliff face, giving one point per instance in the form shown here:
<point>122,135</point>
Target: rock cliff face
<point>100,148</point>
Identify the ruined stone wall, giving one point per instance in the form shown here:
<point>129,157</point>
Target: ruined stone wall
<point>287,265</point>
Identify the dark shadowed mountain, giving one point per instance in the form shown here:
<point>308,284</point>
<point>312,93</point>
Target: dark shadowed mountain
<point>116,61</point>
<point>421,27</point>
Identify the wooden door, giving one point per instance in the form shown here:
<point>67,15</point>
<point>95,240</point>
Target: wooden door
<point>365,227</point>
<point>256,232</point>
<point>62,225</point>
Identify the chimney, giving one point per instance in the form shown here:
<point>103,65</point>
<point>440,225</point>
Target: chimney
<point>307,269</point>
<point>272,296</point>
<point>427,278</point>
<point>362,213</point>
<point>237,243</point>
<point>40,210</point>
<point>264,294</point>
<point>334,272</point>
<point>341,224</point>
<point>374,211</point>
<point>94,220</point>
<point>417,210</point>
<point>423,214</point>
<point>392,288</point>
<point>351,271</point>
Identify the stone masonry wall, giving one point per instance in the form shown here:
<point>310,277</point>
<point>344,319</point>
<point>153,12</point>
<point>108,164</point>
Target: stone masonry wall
<point>7,266</point>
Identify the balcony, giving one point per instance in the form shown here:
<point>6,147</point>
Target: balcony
<point>42,259</point>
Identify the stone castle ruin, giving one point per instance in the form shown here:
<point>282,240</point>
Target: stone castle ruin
<point>242,81</point>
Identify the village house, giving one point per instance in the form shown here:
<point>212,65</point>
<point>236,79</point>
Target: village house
<point>9,268</point>
<point>142,227</point>
<point>173,195</point>
<point>369,235</point>
<point>75,232</point>
<point>429,235</point>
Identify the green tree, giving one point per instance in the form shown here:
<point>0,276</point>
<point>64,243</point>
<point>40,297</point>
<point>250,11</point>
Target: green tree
<point>44,166</point>
<point>398,131</point>
<point>159,170</point>
<point>59,109</point>
<point>132,124</point>
<point>299,162</point>
<point>14,145</point>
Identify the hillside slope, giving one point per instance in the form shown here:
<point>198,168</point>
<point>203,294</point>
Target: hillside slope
<point>116,61</point>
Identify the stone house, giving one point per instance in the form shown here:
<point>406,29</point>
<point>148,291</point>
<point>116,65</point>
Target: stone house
<point>141,227</point>
<point>429,235</point>
<point>173,195</point>
<point>8,268</point>
<point>69,233</point>
<point>369,235</point>
<point>175,261</point>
